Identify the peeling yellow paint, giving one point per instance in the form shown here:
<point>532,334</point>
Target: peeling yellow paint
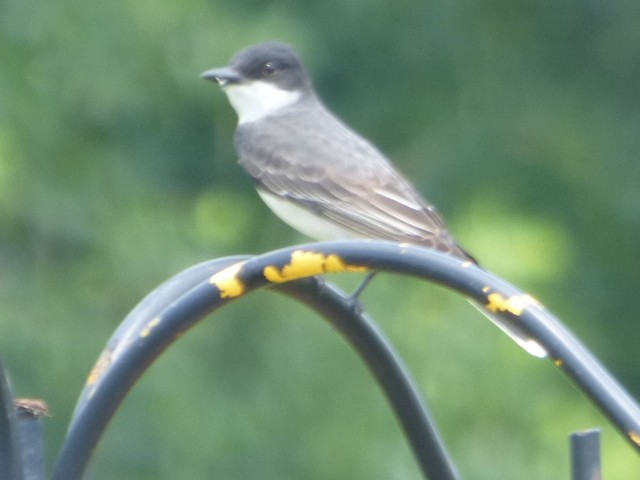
<point>154,321</point>
<point>514,305</point>
<point>305,264</point>
<point>635,437</point>
<point>227,281</point>
<point>99,368</point>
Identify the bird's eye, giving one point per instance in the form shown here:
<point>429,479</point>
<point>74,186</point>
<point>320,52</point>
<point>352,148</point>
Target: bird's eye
<point>268,69</point>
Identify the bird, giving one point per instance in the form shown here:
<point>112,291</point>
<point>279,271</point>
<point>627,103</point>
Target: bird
<point>315,172</point>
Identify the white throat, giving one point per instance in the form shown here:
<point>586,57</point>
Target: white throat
<point>255,100</point>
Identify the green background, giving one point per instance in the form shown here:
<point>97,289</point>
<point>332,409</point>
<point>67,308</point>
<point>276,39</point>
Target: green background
<point>519,120</point>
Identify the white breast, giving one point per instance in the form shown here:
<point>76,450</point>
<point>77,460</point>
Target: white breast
<point>303,220</point>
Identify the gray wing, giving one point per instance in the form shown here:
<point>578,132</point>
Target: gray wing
<point>339,176</point>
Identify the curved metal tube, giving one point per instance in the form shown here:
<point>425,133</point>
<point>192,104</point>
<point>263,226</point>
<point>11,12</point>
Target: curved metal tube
<point>124,360</point>
<point>179,303</point>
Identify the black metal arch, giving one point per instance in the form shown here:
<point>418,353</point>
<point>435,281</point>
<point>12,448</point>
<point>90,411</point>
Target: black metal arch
<point>188,297</point>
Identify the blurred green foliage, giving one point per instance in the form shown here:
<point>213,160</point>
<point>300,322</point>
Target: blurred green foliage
<point>520,120</point>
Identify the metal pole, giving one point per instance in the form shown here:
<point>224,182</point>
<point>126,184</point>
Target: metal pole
<point>585,455</point>
<point>29,412</point>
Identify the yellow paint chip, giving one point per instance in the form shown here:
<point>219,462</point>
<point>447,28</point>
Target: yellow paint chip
<point>147,330</point>
<point>514,305</point>
<point>635,437</point>
<point>306,264</point>
<point>99,368</point>
<point>227,281</point>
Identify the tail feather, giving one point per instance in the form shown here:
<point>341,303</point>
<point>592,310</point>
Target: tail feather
<point>521,338</point>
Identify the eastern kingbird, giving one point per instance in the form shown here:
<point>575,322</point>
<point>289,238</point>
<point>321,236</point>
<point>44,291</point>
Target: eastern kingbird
<point>315,172</point>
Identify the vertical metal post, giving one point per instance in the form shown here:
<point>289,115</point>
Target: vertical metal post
<point>585,455</point>
<point>29,412</point>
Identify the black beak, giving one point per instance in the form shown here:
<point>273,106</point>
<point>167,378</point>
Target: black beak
<point>224,76</point>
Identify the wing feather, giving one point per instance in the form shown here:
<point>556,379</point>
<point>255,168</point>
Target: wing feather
<point>339,176</point>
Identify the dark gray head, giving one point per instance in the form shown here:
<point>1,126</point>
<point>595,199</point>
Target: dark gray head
<point>272,62</point>
<point>262,80</point>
